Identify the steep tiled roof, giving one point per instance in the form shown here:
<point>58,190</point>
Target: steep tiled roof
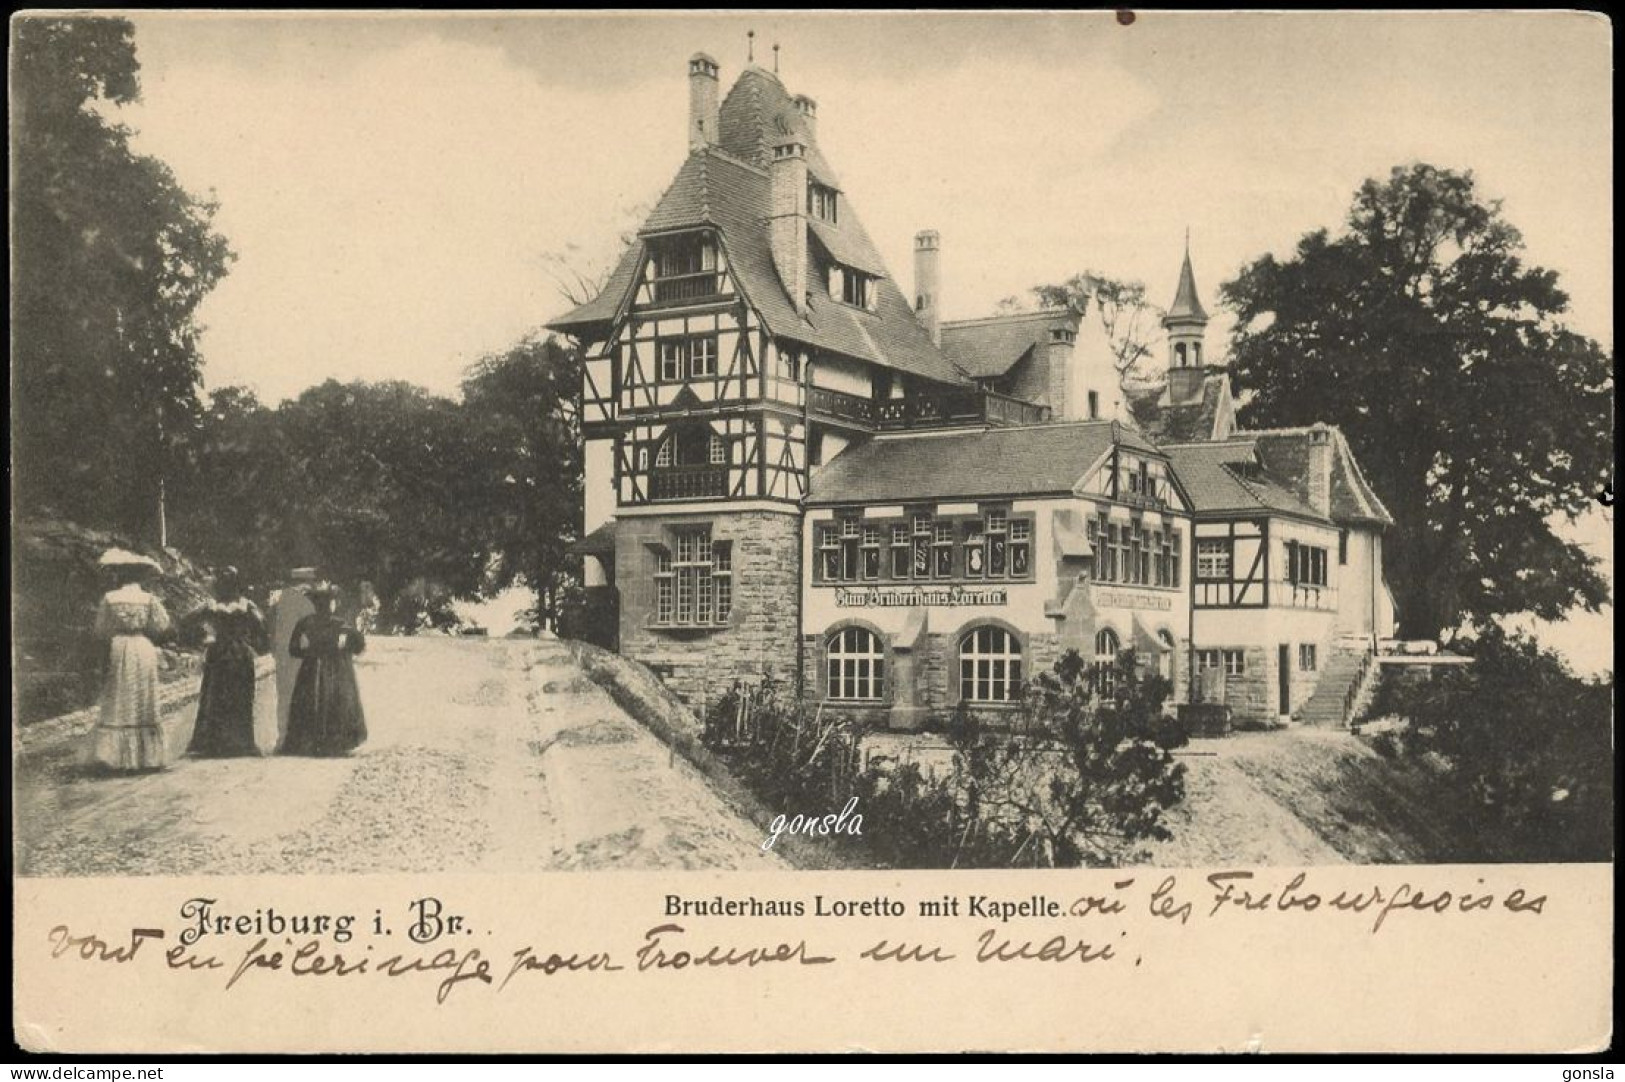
<point>1228,476</point>
<point>601,542</point>
<point>1176,424</point>
<point>715,188</point>
<point>989,347</point>
<point>1285,453</point>
<point>1033,460</point>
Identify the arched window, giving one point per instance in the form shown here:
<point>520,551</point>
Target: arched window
<point>1196,353</point>
<point>1179,355</point>
<point>856,665</point>
<point>1106,647</point>
<point>989,666</point>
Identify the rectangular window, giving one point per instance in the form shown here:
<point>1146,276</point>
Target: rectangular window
<point>702,356</point>
<point>871,552</point>
<point>829,553</point>
<point>998,552</point>
<point>1342,546</point>
<point>1234,662</point>
<point>693,581</point>
<point>1178,564</point>
<point>1306,564</point>
<point>1094,405</point>
<point>942,551</point>
<point>671,359</point>
<point>1306,656</point>
<point>901,549</point>
<point>821,202</point>
<point>716,451</point>
<point>1213,560</point>
<point>975,551</point>
<point>1021,547</point>
<point>857,288</point>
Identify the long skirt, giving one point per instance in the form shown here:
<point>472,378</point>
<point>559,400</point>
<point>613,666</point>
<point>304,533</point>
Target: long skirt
<point>325,715</point>
<point>225,707</point>
<point>129,735</point>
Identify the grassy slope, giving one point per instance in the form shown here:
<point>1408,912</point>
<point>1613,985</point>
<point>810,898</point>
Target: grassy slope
<point>1303,796</point>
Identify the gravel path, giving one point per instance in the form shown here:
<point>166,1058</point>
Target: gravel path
<point>483,756</point>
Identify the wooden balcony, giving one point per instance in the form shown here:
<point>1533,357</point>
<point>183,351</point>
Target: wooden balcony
<point>685,288</point>
<point>941,409</point>
<point>688,482</point>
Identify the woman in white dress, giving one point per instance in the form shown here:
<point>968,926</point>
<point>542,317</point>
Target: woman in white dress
<point>129,736</point>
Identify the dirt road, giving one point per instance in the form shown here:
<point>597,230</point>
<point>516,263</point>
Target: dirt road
<point>483,756</point>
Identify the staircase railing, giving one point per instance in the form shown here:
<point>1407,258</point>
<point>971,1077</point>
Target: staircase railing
<point>1356,686</point>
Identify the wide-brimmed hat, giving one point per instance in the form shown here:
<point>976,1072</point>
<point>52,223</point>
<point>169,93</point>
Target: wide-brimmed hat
<point>124,559</point>
<point>321,589</point>
<point>303,574</point>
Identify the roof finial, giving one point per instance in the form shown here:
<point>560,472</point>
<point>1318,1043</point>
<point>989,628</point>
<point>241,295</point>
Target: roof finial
<point>1187,241</point>
<point>750,46</point>
<point>775,58</point>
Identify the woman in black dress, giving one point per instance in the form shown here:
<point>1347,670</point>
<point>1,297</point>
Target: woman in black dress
<point>225,707</point>
<point>325,716</point>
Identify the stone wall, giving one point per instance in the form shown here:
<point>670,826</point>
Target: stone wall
<point>699,665</point>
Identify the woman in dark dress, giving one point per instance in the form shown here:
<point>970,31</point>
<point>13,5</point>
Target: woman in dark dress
<point>225,707</point>
<point>325,716</point>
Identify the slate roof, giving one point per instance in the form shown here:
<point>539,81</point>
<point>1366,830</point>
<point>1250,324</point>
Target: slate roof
<point>1285,453</point>
<point>984,348</point>
<point>1227,476</point>
<point>1176,424</point>
<point>1048,459</point>
<point>727,187</point>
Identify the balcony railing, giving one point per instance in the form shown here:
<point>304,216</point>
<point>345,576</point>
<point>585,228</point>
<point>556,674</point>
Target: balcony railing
<point>686,287</point>
<point>926,410</point>
<point>688,482</point>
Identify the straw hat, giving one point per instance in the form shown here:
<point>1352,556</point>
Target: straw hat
<point>303,574</point>
<point>116,557</point>
<point>321,589</point>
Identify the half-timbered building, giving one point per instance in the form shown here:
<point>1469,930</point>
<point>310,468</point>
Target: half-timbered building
<point>795,468</point>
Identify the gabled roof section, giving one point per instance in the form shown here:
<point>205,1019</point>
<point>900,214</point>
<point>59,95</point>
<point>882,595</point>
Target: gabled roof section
<point>596,315</point>
<point>990,347</point>
<point>1187,307</point>
<point>1285,453</point>
<point>1165,423</point>
<point>1034,460</point>
<point>1229,476</point>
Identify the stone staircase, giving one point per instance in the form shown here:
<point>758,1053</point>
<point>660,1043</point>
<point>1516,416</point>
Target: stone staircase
<point>1345,686</point>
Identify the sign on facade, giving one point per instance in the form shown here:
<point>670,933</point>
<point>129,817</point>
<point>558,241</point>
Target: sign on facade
<point>883,597</point>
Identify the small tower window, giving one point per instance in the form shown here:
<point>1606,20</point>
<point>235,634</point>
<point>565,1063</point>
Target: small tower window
<point>1179,355</point>
<point>1196,353</point>
<point>1094,405</point>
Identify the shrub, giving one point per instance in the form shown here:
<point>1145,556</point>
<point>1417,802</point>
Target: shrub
<point>1527,748</point>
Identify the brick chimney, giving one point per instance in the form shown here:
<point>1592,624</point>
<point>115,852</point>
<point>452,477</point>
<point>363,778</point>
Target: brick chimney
<point>703,106</point>
<point>928,282</point>
<point>809,115</point>
<point>1320,469</point>
<point>788,219</point>
<point>1058,363</point>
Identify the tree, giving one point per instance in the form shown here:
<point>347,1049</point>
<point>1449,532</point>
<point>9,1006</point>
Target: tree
<point>522,409</point>
<point>1527,751</point>
<point>1479,417</point>
<point>111,258</point>
<point>1129,320</point>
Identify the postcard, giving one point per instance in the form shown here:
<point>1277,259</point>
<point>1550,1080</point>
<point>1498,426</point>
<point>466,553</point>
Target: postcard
<point>812,532</point>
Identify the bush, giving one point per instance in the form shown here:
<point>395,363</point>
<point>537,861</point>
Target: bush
<point>795,757</point>
<point>1527,749</point>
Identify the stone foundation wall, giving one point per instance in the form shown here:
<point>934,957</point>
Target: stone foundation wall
<point>699,665</point>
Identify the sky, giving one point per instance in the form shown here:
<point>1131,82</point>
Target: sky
<point>403,191</point>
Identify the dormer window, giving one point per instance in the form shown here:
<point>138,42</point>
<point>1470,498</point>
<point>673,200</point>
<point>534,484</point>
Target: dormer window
<point>853,287</point>
<point>684,267</point>
<point>821,202</point>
